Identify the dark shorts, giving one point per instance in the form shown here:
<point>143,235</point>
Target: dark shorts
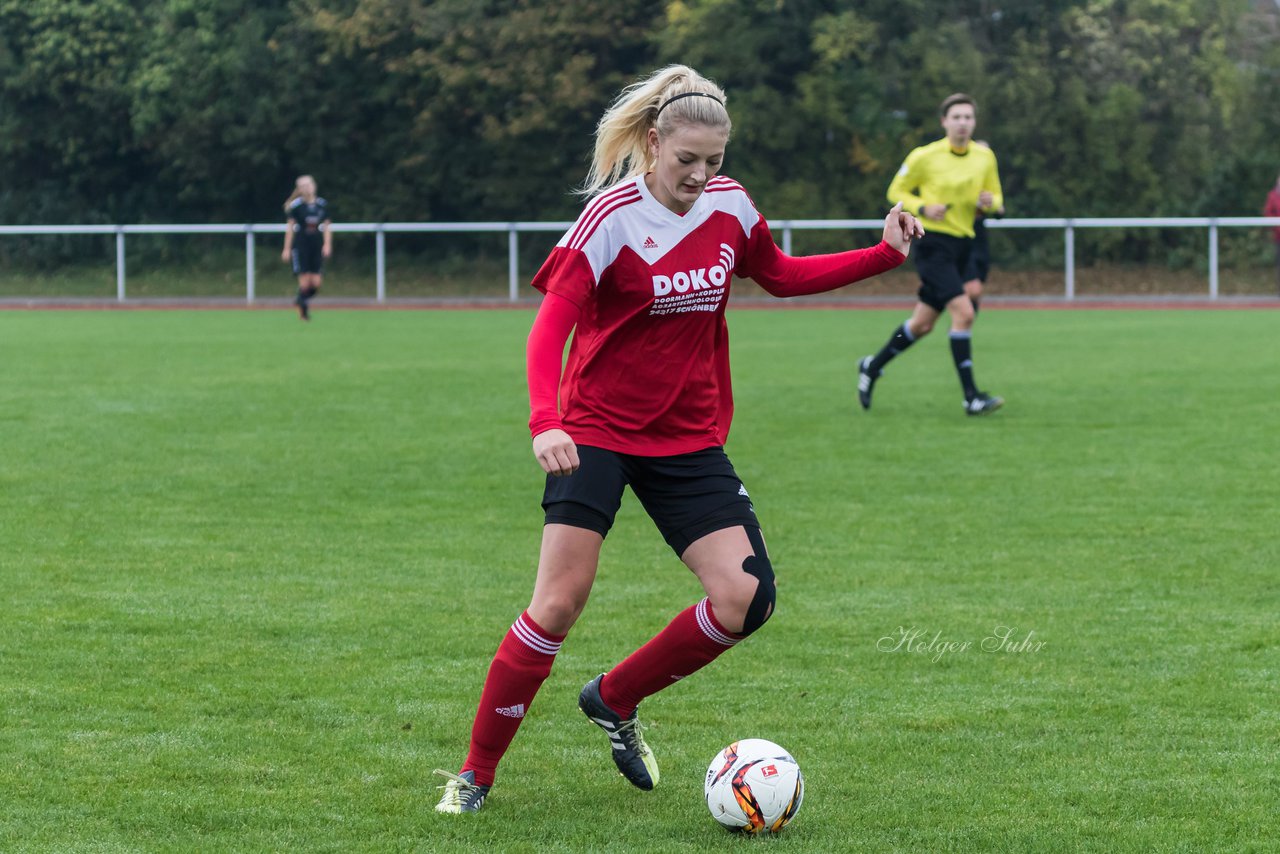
<point>308,257</point>
<point>979,254</point>
<point>941,261</point>
<point>979,257</point>
<point>687,495</point>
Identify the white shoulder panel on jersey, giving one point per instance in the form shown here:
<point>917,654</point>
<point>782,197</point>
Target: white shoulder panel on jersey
<point>625,216</point>
<point>730,197</point>
<point>591,232</point>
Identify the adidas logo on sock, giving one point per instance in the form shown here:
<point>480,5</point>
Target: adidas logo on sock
<point>516,711</point>
<point>649,243</point>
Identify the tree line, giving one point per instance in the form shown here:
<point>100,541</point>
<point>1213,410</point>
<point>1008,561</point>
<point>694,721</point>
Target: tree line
<point>205,110</point>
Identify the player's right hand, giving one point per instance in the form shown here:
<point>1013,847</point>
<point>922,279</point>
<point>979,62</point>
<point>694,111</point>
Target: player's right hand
<point>934,211</point>
<point>284,256</point>
<point>556,453</point>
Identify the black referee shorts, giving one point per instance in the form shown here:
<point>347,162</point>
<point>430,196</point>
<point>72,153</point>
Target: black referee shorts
<point>979,260</point>
<point>941,261</point>
<point>687,495</point>
<point>308,257</point>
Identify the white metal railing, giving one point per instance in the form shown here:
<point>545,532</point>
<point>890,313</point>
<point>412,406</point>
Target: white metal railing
<point>787,227</point>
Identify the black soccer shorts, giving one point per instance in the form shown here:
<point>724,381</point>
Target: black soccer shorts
<point>979,262</point>
<point>308,257</point>
<point>941,261</point>
<point>687,495</point>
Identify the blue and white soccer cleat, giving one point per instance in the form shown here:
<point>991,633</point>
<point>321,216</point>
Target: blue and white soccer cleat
<point>461,794</point>
<point>633,757</point>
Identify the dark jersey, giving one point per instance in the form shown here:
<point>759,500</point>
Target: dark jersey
<point>306,219</point>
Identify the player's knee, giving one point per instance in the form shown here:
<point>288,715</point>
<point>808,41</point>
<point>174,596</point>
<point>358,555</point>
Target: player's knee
<point>762,602</point>
<point>920,328</point>
<point>556,614</point>
<point>765,596</point>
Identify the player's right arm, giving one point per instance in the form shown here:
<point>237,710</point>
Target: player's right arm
<point>567,280</point>
<point>552,446</point>
<point>288,238</point>
<point>905,186</point>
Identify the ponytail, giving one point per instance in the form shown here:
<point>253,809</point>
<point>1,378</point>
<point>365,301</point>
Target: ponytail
<point>622,136</point>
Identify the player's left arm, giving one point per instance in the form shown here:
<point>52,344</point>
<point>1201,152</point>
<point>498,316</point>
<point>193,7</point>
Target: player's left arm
<point>991,199</point>
<point>783,275</point>
<point>327,227</point>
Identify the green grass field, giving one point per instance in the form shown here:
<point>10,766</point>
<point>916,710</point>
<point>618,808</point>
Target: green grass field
<point>253,573</point>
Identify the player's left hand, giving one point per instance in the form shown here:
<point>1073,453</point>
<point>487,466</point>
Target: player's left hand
<point>900,228</point>
<point>986,199</point>
<point>326,251</point>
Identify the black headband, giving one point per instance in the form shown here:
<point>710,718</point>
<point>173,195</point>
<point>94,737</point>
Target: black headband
<point>674,98</point>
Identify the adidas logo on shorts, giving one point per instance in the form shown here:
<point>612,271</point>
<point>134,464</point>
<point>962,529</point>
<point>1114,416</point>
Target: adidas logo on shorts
<point>742,490</point>
<point>516,711</point>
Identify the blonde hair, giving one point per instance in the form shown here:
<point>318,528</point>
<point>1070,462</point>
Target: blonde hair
<point>297,194</point>
<point>622,136</point>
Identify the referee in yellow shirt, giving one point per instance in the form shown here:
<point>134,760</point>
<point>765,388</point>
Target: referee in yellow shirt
<point>945,183</point>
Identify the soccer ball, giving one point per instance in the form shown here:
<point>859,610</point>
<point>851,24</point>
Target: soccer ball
<point>754,786</point>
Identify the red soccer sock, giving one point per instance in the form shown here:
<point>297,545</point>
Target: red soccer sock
<point>522,663</point>
<point>690,642</point>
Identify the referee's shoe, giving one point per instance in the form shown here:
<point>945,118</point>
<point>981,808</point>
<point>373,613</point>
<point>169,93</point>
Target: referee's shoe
<point>866,382</point>
<point>633,757</point>
<point>982,404</point>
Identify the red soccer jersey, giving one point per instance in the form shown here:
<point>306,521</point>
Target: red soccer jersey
<point>1272,208</point>
<point>648,370</point>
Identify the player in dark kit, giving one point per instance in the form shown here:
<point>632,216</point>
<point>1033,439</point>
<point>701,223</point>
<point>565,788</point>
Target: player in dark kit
<point>308,240</point>
<point>946,183</point>
<point>979,266</point>
<point>641,281</point>
<point>975,275</point>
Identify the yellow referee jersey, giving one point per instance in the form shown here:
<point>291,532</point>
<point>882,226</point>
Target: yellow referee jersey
<point>935,174</point>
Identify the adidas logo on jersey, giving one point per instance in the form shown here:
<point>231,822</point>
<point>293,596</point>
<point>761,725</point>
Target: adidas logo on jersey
<point>650,243</point>
<point>697,280</point>
<point>516,711</point>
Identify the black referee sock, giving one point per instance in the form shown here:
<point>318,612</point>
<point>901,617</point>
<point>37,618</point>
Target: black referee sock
<point>962,353</point>
<point>899,341</point>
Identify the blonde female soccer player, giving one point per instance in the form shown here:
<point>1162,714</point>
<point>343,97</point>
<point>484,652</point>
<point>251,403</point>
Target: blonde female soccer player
<point>641,280</point>
<point>308,240</point>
